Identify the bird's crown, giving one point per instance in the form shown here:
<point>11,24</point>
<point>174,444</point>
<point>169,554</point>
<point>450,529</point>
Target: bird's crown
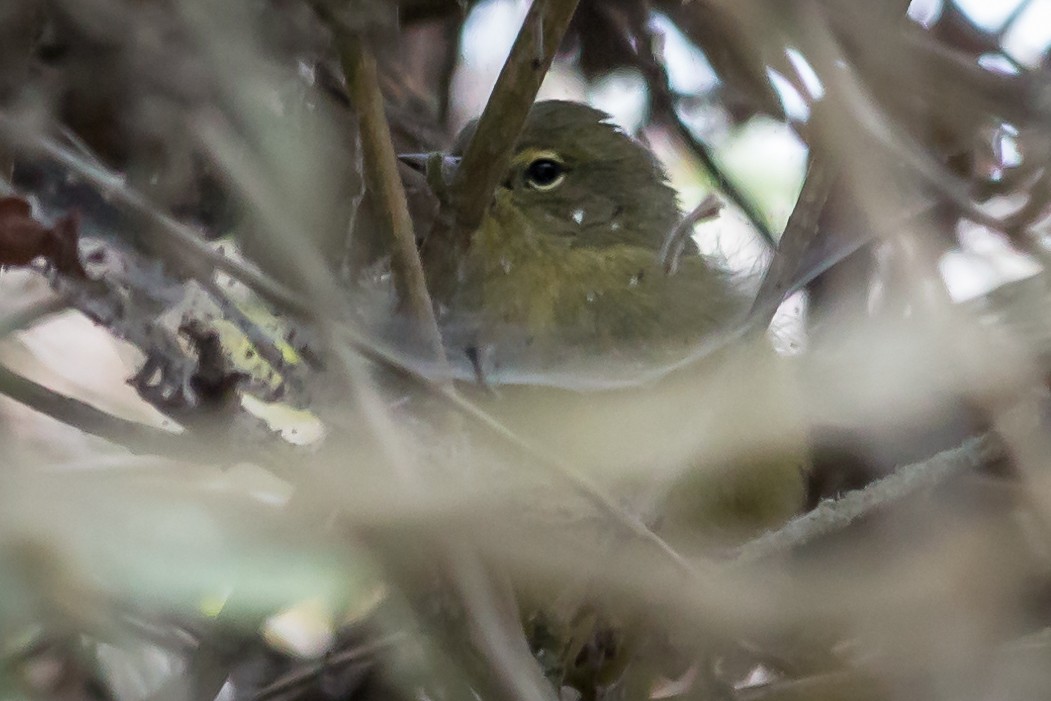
<point>578,175</point>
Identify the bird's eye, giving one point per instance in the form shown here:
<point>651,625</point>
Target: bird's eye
<point>545,174</point>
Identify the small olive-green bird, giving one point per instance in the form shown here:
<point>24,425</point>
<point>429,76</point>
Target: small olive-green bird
<point>565,263</point>
<point>562,278</point>
<point>561,287</point>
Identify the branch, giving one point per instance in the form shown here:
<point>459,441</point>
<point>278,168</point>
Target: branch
<point>656,76</point>
<point>136,437</point>
<point>486,160</point>
<point>381,167</point>
<point>675,241</point>
<point>834,515</point>
<point>799,234</point>
<point>302,677</point>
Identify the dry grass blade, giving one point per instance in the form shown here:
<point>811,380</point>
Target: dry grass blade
<point>299,679</point>
<point>642,40</point>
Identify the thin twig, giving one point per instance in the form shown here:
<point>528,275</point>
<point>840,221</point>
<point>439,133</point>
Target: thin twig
<point>488,156</point>
<point>836,514</point>
<point>723,182</point>
<point>794,244</point>
<point>136,437</point>
<point>302,677</point>
<point>675,241</point>
<point>381,165</point>
<point>1018,222</point>
<point>496,628</point>
<point>997,38</point>
<point>606,505</point>
<point>657,80</point>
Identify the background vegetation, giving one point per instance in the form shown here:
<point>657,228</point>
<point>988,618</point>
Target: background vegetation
<point>233,468</point>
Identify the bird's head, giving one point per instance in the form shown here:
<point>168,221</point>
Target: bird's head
<point>577,176</point>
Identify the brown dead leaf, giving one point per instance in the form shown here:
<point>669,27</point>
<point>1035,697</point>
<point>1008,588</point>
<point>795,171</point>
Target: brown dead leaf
<point>23,238</point>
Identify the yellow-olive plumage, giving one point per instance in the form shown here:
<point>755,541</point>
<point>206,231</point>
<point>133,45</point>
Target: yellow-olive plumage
<point>567,254</point>
<point>564,272</point>
<point>564,269</point>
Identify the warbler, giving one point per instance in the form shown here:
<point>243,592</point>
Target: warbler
<point>563,272</point>
<point>566,259</point>
<point>561,286</point>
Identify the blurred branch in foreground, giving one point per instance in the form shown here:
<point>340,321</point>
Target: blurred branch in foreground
<point>359,504</point>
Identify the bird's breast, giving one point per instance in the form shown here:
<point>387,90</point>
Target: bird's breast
<point>519,282</point>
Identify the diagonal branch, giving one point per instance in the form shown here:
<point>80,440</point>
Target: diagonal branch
<point>655,74</point>
<point>675,241</point>
<point>381,167</point>
<point>488,155</point>
<point>799,234</point>
<point>187,242</point>
<point>832,516</point>
<point>136,437</point>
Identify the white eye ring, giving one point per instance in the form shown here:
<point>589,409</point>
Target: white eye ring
<point>545,174</point>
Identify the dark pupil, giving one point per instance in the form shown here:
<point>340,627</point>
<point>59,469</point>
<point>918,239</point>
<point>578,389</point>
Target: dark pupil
<point>544,171</point>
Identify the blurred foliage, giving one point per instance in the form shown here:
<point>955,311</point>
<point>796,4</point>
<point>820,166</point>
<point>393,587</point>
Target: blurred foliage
<point>307,502</point>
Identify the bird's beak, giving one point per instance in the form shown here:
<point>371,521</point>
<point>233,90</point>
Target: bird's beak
<point>416,161</point>
<point>438,168</point>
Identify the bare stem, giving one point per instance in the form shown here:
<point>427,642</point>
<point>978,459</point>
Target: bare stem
<point>136,437</point>
<point>672,246</point>
<point>835,515</point>
<point>381,167</point>
<point>488,155</point>
<point>799,233</point>
<point>656,76</point>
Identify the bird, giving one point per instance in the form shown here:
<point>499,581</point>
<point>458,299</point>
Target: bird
<point>565,263</point>
<point>563,276</point>
<point>561,301</point>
